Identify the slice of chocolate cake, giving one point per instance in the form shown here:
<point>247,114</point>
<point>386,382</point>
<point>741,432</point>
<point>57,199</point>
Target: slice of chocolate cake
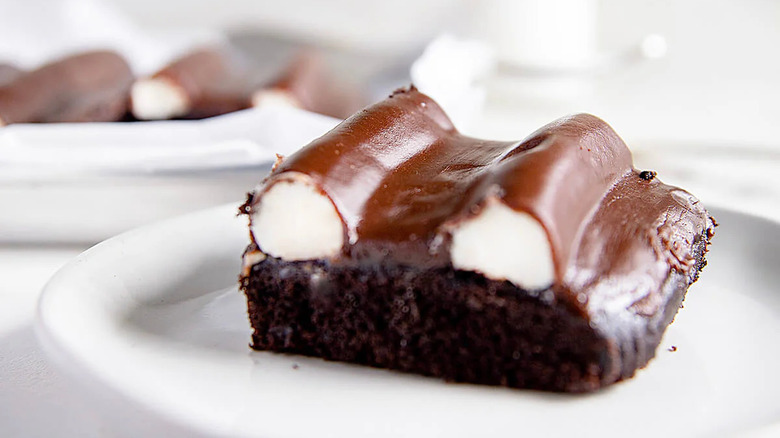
<point>396,242</point>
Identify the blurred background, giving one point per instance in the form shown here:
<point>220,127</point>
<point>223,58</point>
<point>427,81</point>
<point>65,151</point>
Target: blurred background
<point>691,85</point>
<point>717,77</point>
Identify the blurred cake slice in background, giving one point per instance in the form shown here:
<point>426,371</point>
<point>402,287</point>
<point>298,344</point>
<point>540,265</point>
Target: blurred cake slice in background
<point>86,87</point>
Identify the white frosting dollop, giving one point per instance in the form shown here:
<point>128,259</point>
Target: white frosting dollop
<point>504,244</point>
<point>294,220</point>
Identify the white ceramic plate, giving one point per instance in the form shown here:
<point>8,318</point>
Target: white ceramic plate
<point>151,324</point>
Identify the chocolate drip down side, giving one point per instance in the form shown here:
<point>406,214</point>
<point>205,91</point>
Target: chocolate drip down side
<point>637,273</point>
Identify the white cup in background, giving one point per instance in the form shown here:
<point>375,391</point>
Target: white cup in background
<point>538,34</point>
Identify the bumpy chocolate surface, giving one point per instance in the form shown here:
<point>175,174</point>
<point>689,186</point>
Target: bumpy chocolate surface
<point>399,173</point>
<point>625,246</point>
<point>89,87</point>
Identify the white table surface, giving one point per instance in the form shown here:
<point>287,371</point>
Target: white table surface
<point>34,399</point>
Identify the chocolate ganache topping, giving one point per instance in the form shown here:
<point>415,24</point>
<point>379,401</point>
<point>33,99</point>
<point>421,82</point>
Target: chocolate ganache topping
<point>402,179</point>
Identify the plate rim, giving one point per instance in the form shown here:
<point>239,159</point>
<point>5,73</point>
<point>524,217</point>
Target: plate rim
<point>79,371</point>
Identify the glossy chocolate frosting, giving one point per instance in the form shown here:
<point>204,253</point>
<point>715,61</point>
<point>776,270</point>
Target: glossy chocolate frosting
<point>88,87</point>
<point>401,178</point>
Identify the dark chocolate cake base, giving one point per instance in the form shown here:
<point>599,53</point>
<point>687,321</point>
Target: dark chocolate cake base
<point>449,324</point>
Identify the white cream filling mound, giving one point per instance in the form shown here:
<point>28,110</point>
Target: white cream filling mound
<point>295,221</point>
<point>158,99</point>
<point>504,244</point>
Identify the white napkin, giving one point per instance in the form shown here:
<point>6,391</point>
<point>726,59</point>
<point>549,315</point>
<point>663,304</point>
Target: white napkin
<point>244,138</point>
<point>451,71</point>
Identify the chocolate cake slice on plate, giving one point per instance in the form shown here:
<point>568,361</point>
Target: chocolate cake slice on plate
<point>396,242</point>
